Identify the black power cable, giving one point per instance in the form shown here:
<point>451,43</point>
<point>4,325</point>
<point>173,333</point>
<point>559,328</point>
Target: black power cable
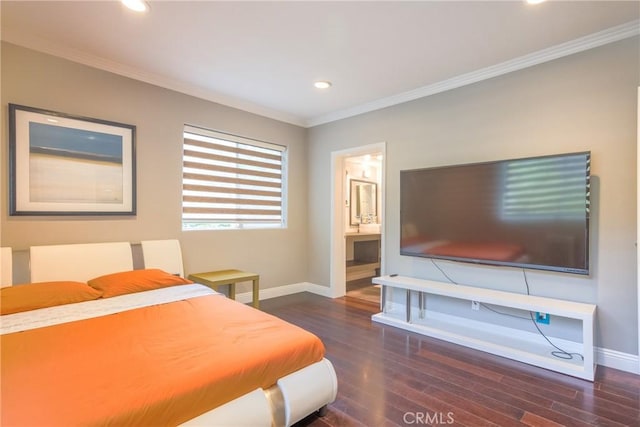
<point>559,352</point>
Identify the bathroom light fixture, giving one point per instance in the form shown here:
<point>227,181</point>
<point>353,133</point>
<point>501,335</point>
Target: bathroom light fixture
<point>322,84</point>
<point>136,5</point>
<point>535,1</point>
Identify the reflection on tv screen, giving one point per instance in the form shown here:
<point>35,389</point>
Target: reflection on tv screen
<point>531,213</point>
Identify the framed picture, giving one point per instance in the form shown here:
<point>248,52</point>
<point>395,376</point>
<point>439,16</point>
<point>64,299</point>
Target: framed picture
<point>68,165</point>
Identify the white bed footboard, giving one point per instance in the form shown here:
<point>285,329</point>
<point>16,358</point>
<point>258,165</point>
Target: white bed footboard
<point>298,394</point>
<point>250,410</point>
<point>307,390</point>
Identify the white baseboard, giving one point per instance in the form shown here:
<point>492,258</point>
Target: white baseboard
<point>279,291</point>
<point>324,291</point>
<point>604,357</point>
<point>618,360</point>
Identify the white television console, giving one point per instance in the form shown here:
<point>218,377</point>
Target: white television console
<point>524,346</point>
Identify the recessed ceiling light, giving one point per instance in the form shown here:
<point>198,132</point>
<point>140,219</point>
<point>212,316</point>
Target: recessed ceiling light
<point>322,84</point>
<point>535,1</point>
<point>136,5</point>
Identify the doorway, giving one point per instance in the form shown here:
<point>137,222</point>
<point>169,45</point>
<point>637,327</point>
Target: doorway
<point>357,236</point>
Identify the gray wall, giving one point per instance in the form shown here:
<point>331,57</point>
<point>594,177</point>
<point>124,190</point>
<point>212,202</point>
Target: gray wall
<point>583,102</point>
<point>39,80</point>
<point>587,101</point>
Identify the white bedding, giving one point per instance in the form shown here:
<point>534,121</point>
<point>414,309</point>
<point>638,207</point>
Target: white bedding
<point>27,320</point>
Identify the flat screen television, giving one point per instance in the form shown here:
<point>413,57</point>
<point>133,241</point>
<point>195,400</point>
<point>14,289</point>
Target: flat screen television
<point>528,213</point>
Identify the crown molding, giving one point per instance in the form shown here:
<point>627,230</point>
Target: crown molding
<point>610,35</point>
<point>29,41</point>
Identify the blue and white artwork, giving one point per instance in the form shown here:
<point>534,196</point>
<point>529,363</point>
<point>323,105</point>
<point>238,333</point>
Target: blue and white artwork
<point>69,165</point>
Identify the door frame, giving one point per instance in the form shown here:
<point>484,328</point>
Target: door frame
<point>338,269</point>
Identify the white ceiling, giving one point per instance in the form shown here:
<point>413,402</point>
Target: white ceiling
<point>263,57</point>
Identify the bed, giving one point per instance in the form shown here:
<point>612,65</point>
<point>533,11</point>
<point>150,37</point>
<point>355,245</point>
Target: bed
<point>171,354</point>
<point>494,251</point>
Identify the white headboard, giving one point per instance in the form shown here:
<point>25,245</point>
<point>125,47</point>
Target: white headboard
<point>79,262</point>
<point>6,267</point>
<point>163,254</point>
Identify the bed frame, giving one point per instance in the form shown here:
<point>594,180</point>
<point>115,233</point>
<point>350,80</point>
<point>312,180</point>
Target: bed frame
<point>6,267</point>
<point>79,262</point>
<point>291,399</point>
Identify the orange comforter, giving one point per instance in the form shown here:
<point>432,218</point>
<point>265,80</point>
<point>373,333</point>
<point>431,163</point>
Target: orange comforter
<point>159,365</point>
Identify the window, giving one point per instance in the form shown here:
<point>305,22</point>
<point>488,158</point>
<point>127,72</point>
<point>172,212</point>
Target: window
<point>546,188</point>
<point>231,182</point>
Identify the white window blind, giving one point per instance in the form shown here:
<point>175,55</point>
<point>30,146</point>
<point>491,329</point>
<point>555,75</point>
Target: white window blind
<point>231,182</point>
<point>546,188</point>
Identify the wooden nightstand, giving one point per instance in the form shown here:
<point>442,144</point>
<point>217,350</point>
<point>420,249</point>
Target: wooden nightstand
<point>214,279</point>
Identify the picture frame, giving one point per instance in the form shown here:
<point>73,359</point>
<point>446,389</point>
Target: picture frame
<point>61,164</point>
<point>363,201</point>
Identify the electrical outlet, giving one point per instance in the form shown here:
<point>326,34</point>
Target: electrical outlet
<point>475,305</point>
<point>544,318</point>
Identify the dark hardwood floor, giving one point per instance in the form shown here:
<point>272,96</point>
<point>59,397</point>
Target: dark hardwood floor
<point>363,289</point>
<point>391,377</point>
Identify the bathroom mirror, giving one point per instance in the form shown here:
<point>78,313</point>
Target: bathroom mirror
<point>363,202</point>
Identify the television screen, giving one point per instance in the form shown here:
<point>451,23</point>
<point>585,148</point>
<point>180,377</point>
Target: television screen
<point>530,213</point>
